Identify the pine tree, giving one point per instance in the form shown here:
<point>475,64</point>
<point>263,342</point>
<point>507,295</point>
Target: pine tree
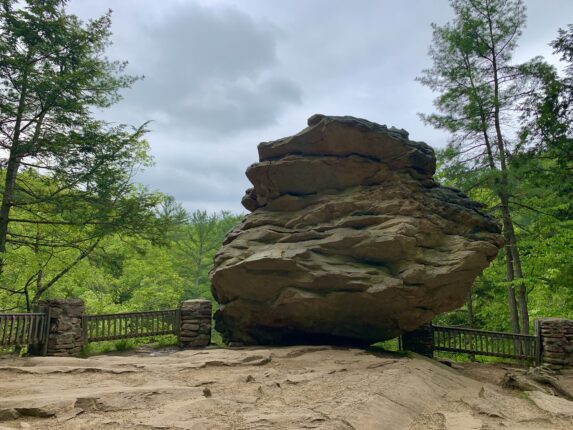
<point>479,90</point>
<point>66,175</point>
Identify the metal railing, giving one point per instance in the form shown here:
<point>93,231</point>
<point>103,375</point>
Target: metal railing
<point>23,329</point>
<point>489,343</point>
<point>130,325</point>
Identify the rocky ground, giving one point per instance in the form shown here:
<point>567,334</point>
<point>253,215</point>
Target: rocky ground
<point>258,388</point>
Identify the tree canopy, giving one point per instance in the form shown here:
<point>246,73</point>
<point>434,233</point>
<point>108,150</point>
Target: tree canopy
<point>510,135</point>
<point>66,176</point>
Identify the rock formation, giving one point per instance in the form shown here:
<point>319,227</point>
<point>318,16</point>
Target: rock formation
<point>349,239</point>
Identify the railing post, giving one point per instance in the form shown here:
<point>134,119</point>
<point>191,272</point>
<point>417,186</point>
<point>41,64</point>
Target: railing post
<point>538,341</point>
<point>177,322</point>
<point>84,329</point>
<point>46,330</point>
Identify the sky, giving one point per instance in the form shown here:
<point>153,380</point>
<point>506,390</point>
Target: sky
<point>220,76</point>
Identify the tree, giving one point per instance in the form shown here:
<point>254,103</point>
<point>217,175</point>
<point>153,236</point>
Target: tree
<point>67,177</point>
<point>480,90</point>
<point>198,240</point>
<point>547,118</point>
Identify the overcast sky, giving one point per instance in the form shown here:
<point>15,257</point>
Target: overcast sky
<point>223,75</point>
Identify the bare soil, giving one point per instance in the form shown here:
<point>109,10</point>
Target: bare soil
<point>267,388</point>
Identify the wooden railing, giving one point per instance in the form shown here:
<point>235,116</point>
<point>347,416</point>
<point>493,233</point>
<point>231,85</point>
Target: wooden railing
<point>23,329</point>
<point>489,343</point>
<point>130,325</point>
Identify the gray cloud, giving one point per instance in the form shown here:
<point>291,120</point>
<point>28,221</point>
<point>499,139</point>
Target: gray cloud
<point>211,181</point>
<point>236,106</point>
<point>208,70</point>
<point>223,75</point>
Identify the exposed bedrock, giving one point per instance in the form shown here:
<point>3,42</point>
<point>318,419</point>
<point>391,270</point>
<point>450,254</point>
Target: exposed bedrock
<point>349,240</point>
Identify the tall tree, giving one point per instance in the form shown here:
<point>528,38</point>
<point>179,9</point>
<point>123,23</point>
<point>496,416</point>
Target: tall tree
<point>480,89</point>
<point>66,177</point>
<point>198,240</point>
<point>547,117</point>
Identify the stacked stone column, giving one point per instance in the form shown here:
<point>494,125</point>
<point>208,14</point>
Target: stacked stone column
<point>420,340</point>
<point>195,328</point>
<point>556,342</point>
<point>66,337</point>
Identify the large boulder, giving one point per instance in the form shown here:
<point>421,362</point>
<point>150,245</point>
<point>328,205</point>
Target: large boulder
<point>349,240</point>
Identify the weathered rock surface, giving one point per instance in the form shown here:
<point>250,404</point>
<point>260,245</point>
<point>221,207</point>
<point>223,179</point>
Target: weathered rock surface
<point>350,239</point>
<point>272,388</point>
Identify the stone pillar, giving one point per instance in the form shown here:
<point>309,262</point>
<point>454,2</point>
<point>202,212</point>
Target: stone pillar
<point>556,342</point>
<point>195,328</point>
<point>66,337</point>
<point>420,340</point>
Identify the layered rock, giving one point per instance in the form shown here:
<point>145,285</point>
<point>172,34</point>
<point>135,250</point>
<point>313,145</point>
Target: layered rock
<point>349,239</point>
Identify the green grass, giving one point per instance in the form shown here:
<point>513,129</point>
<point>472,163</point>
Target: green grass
<point>392,345</point>
<point>216,338</point>
<point>465,358</point>
<point>12,350</point>
<point>123,345</point>
<point>389,346</point>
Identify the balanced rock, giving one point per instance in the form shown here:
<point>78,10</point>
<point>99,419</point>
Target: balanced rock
<point>349,240</point>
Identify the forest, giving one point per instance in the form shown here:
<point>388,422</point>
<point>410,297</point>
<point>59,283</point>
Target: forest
<point>74,223</point>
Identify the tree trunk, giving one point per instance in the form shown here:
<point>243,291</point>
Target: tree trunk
<point>45,286</point>
<point>471,319</point>
<point>512,252</point>
<point>12,170</point>
<point>27,296</point>
<point>470,306</point>
<point>40,282</point>
<point>522,292</point>
<point>7,197</point>
<point>510,268</point>
<point>510,243</point>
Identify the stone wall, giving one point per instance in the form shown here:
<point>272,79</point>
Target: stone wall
<point>195,323</point>
<point>420,340</point>
<point>556,342</point>
<point>66,336</point>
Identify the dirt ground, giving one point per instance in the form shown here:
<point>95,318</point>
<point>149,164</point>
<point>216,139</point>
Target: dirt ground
<point>268,388</point>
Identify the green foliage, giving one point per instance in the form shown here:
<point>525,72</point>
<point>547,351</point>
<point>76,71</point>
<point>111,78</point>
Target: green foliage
<point>195,243</point>
<point>510,145</point>
<point>67,178</point>
<point>543,213</point>
<point>128,273</point>
<point>548,115</point>
<point>388,345</point>
<point>72,221</point>
<point>466,358</point>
